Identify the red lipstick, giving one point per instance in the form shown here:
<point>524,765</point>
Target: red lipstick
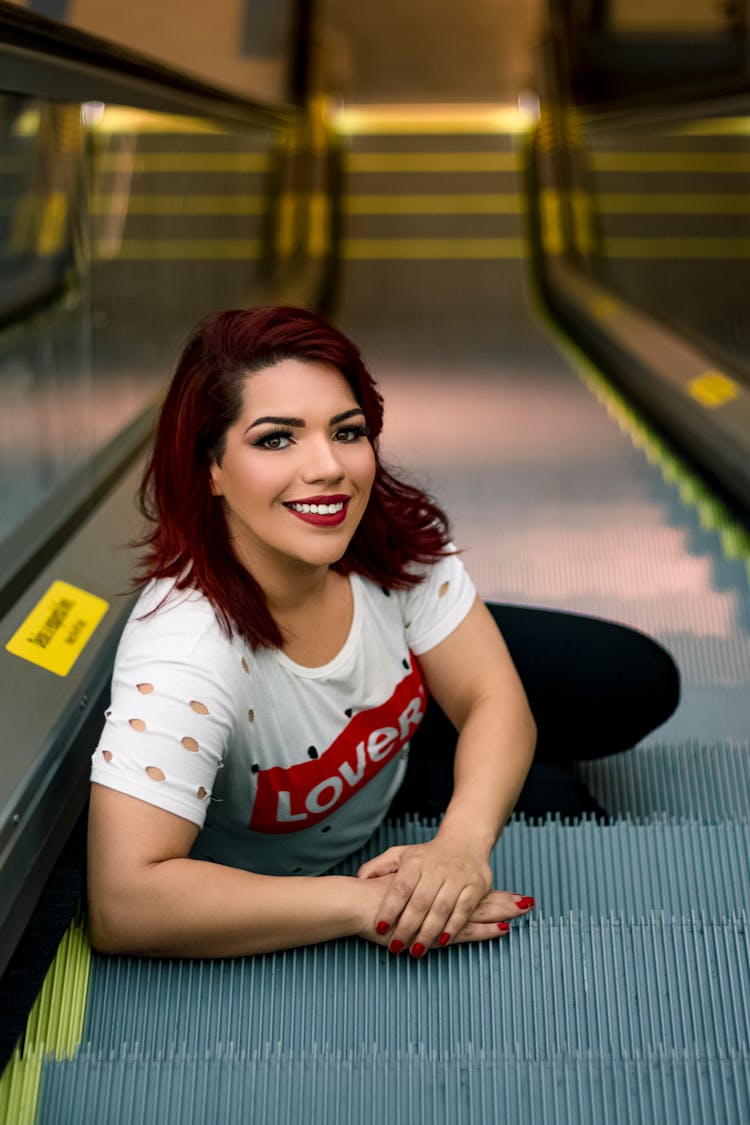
<point>319,518</point>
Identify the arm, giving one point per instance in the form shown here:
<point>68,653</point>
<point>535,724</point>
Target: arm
<point>146,897</point>
<point>472,677</point>
<point>438,885</point>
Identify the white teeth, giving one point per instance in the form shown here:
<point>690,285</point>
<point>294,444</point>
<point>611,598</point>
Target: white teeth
<point>318,509</point>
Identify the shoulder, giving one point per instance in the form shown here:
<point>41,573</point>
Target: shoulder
<point>177,626</point>
<point>438,603</point>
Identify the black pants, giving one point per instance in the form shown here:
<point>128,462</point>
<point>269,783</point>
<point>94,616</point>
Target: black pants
<point>595,688</point>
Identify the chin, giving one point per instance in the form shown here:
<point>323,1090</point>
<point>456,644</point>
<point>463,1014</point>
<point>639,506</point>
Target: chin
<point>319,554</point>
<point>324,558</point>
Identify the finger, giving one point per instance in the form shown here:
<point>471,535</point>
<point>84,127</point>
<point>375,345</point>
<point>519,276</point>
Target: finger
<point>464,909</point>
<point>524,903</point>
<point>482,931</point>
<point>409,910</point>
<point>384,864</point>
<point>500,906</point>
<point>400,892</point>
<point>453,901</point>
<point>436,922</point>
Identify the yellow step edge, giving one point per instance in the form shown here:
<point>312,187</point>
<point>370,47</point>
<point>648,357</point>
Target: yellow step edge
<point>669,161</point>
<point>431,249</point>
<point>181,249</point>
<point>672,203</point>
<point>433,162</point>
<point>421,119</point>
<point>681,247</point>
<point>185,205</point>
<point>54,1027</point>
<point>499,203</point>
<point>19,1087</point>
<point>181,162</point>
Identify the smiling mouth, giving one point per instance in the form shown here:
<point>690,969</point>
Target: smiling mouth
<point>318,509</point>
<point>328,514</point>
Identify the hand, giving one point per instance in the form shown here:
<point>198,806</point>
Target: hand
<point>491,918</point>
<point>435,889</point>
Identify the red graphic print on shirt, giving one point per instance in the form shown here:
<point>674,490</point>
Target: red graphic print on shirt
<point>300,796</point>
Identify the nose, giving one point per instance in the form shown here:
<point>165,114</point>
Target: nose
<point>322,462</point>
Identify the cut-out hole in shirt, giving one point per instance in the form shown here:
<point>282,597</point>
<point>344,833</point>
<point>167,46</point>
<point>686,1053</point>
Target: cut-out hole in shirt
<point>137,724</point>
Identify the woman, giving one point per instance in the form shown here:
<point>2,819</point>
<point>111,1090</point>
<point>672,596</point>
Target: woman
<point>302,604</point>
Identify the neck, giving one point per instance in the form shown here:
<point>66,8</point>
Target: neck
<point>289,586</point>
<point>289,595</point>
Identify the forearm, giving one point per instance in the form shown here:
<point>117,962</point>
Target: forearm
<point>493,756</point>
<point>189,908</point>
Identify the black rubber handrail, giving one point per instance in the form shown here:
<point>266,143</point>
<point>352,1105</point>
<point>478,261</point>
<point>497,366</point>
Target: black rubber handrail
<point>41,56</point>
<point>556,47</point>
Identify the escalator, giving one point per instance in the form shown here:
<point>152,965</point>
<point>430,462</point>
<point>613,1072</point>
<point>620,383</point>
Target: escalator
<point>625,997</point>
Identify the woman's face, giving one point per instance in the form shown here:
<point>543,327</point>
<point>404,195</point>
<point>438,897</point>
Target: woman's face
<point>297,468</point>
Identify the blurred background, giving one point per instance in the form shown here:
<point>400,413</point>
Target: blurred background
<point>226,153</point>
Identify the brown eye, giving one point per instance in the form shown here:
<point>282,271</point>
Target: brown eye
<point>351,433</point>
<point>274,439</point>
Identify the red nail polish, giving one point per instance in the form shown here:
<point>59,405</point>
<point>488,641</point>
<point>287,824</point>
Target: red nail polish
<point>382,928</point>
<point>396,946</point>
<point>503,927</point>
<point>525,903</point>
<point>444,939</point>
<point>418,950</point>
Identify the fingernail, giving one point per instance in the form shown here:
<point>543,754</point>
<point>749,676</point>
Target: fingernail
<point>444,939</point>
<point>418,950</point>
<point>525,903</point>
<point>382,928</point>
<point>396,946</point>
<point>503,927</point>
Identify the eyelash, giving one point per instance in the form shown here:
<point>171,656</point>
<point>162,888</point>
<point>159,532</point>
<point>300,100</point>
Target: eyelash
<point>359,431</point>
<point>260,442</point>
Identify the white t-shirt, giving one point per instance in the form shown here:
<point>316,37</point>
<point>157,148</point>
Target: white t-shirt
<point>285,769</point>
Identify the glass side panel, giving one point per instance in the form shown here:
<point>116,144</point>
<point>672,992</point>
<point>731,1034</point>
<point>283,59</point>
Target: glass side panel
<point>45,367</point>
<point>118,230</point>
<point>618,49</point>
<point>242,45</point>
<point>669,212</point>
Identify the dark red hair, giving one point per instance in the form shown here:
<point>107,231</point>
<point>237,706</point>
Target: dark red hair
<point>189,540</point>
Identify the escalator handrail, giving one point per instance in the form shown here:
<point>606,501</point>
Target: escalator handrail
<point>42,57</point>
<point>556,46</point>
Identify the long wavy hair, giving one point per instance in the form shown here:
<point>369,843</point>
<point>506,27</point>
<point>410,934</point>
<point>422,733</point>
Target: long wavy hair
<point>188,539</point>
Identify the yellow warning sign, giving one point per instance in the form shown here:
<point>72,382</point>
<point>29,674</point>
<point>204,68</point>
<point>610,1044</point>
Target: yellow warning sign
<point>713,389</point>
<point>58,628</point>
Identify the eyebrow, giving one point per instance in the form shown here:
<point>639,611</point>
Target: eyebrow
<point>299,423</point>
